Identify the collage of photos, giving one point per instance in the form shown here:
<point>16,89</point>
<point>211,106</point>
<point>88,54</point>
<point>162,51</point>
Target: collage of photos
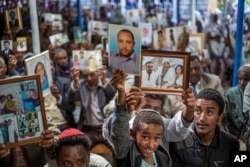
<point>20,112</point>
<point>91,59</point>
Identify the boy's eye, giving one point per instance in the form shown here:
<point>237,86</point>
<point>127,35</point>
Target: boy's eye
<point>145,137</point>
<point>157,138</point>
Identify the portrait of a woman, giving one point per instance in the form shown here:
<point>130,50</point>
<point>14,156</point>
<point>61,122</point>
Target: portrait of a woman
<point>40,70</point>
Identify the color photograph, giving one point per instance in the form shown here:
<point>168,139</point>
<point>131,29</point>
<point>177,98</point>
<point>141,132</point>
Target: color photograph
<point>125,48</point>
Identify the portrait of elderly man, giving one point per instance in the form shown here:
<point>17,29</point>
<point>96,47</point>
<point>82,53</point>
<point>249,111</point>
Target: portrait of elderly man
<point>125,58</point>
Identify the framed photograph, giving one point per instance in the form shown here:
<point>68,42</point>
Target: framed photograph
<point>22,113</point>
<point>196,44</point>
<point>40,64</point>
<point>165,72</point>
<point>13,18</point>
<point>125,48</point>
<point>21,44</point>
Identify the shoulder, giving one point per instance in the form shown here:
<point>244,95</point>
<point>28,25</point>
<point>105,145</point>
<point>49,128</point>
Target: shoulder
<point>232,90</point>
<point>210,76</point>
<point>228,138</point>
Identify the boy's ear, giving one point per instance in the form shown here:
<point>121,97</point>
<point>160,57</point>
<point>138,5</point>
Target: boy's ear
<point>132,133</point>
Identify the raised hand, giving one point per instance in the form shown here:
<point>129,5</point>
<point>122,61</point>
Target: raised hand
<point>47,139</point>
<point>132,97</point>
<point>118,80</point>
<point>75,72</point>
<point>189,100</point>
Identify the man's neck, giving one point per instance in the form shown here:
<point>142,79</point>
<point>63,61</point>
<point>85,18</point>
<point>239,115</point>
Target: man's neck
<point>207,139</point>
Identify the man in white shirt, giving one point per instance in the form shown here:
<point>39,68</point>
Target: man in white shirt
<point>149,76</point>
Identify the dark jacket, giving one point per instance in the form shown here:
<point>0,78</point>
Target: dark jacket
<point>134,157</point>
<point>192,153</point>
<point>34,156</point>
<point>66,107</point>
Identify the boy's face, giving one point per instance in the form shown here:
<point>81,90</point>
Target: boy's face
<point>73,156</point>
<point>148,139</point>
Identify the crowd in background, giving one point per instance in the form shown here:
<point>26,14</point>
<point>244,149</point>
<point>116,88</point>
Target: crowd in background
<point>83,99</point>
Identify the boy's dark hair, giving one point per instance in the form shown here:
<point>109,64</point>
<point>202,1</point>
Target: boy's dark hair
<point>214,95</point>
<point>72,137</point>
<point>147,116</point>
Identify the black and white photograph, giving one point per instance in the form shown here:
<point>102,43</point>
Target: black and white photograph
<point>13,18</point>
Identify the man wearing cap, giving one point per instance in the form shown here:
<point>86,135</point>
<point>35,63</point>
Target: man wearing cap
<point>73,146</point>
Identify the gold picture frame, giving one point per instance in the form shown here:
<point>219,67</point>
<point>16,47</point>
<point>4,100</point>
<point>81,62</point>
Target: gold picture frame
<point>22,119</point>
<point>13,18</point>
<point>161,81</point>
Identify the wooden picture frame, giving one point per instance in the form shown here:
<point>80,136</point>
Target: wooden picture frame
<point>13,18</point>
<point>40,64</point>
<point>22,117</point>
<point>159,81</point>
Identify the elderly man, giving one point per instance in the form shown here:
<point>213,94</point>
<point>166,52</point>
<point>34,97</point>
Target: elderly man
<point>234,105</point>
<point>90,95</point>
<point>62,65</point>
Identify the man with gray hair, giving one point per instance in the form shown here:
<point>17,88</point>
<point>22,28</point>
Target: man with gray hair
<point>234,106</point>
<point>62,64</point>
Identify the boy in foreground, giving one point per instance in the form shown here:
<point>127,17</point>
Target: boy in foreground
<point>145,147</point>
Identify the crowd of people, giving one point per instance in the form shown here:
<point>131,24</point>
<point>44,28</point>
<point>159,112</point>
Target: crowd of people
<point>88,106</point>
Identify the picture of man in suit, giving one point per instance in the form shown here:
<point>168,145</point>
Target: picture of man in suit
<point>13,21</point>
<point>6,50</point>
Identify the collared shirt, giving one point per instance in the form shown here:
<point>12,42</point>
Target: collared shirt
<point>131,65</point>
